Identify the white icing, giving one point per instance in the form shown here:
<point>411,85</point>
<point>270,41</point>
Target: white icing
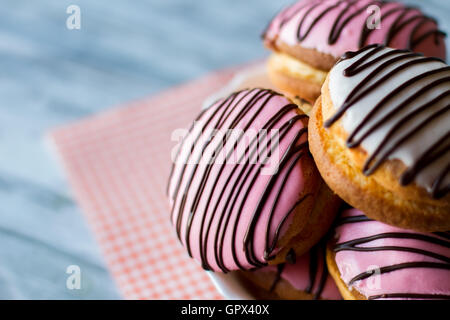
<point>410,151</point>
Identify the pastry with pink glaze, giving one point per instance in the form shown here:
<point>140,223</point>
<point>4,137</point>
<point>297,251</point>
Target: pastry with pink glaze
<point>308,37</point>
<point>244,190</point>
<point>302,278</point>
<point>371,260</point>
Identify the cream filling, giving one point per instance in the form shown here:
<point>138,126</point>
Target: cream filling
<point>294,68</point>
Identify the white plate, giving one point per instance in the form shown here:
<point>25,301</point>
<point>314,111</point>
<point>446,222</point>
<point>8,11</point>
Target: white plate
<point>230,286</point>
<point>254,76</point>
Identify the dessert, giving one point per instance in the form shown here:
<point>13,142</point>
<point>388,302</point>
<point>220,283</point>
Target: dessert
<point>380,136</point>
<point>244,189</point>
<point>371,260</point>
<point>308,38</point>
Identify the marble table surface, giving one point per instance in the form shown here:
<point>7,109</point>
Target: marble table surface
<point>50,75</point>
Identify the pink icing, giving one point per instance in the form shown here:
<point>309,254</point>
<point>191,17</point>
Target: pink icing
<point>409,281</point>
<point>350,36</point>
<point>298,275</point>
<point>252,191</point>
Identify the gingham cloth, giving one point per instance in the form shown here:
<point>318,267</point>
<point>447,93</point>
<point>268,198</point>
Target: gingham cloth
<point>118,164</point>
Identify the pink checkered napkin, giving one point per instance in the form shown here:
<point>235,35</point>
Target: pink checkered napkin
<point>117,164</point>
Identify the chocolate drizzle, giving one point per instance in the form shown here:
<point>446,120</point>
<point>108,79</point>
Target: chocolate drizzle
<point>280,269</point>
<point>317,259</point>
<point>241,178</point>
<point>344,17</point>
<point>385,66</point>
<point>361,245</point>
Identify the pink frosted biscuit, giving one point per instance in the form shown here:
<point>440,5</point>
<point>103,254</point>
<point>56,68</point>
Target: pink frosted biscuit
<point>244,186</point>
<point>372,260</point>
<point>305,278</point>
<point>309,37</point>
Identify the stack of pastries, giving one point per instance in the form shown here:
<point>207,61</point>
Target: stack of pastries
<point>338,185</point>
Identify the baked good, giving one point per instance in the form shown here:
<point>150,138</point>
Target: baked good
<point>302,278</point>
<point>308,38</point>
<point>371,260</point>
<point>244,188</point>
<point>380,136</point>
